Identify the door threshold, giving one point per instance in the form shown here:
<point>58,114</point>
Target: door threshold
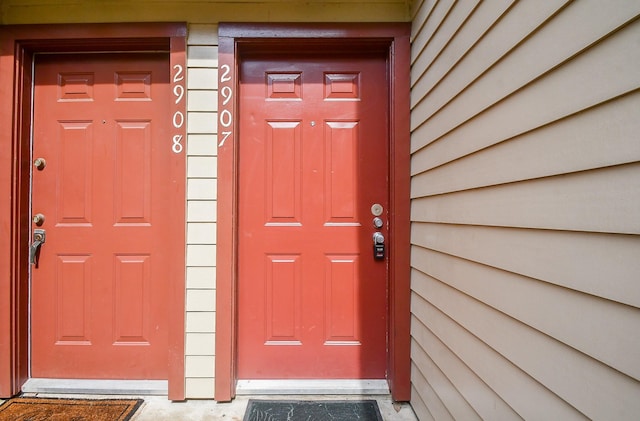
<point>312,387</point>
<point>97,387</point>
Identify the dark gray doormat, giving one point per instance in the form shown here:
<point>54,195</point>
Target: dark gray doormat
<point>268,410</point>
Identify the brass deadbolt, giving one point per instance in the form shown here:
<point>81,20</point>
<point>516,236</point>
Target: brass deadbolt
<point>40,163</point>
<point>38,219</point>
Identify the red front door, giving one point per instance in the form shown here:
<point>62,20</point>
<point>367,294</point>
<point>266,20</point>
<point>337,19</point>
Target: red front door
<point>99,291</point>
<point>313,171</point>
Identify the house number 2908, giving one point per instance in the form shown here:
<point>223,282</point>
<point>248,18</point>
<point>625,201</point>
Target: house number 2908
<point>178,116</point>
<point>226,92</point>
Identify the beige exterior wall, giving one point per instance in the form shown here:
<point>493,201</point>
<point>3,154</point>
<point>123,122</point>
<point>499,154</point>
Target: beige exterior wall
<point>526,210</point>
<point>202,104</point>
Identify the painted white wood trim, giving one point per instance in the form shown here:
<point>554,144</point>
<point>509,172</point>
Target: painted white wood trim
<point>97,387</point>
<point>312,387</point>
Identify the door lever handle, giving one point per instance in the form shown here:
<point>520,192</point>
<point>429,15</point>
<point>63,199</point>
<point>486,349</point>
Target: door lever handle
<point>39,237</point>
<point>378,246</point>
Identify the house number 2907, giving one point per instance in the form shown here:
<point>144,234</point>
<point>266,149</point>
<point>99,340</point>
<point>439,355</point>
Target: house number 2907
<point>226,92</point>
<point>178,116</point>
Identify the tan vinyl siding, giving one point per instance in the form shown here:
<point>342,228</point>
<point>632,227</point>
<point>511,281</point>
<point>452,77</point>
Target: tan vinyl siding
<point>525,210</point>
<point>202,76</point>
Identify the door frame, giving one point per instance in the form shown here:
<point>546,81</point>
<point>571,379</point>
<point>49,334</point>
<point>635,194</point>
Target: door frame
<point>18,44</point>
<point>236,39</point>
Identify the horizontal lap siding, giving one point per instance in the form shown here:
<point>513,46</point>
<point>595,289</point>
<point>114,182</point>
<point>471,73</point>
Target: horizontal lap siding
<point>202,76</point>
<point>525,210</point>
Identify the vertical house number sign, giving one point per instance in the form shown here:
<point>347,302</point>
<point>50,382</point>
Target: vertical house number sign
<point>226,92</point>
<point>178,116</point>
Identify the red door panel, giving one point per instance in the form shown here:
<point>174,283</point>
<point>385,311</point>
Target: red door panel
<point>313,160</point>
<point>99,292</point>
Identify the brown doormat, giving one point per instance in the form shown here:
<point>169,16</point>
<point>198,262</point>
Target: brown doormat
<point>40,409</point>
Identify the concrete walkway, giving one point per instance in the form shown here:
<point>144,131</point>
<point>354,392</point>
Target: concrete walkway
<point>158,408</point>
